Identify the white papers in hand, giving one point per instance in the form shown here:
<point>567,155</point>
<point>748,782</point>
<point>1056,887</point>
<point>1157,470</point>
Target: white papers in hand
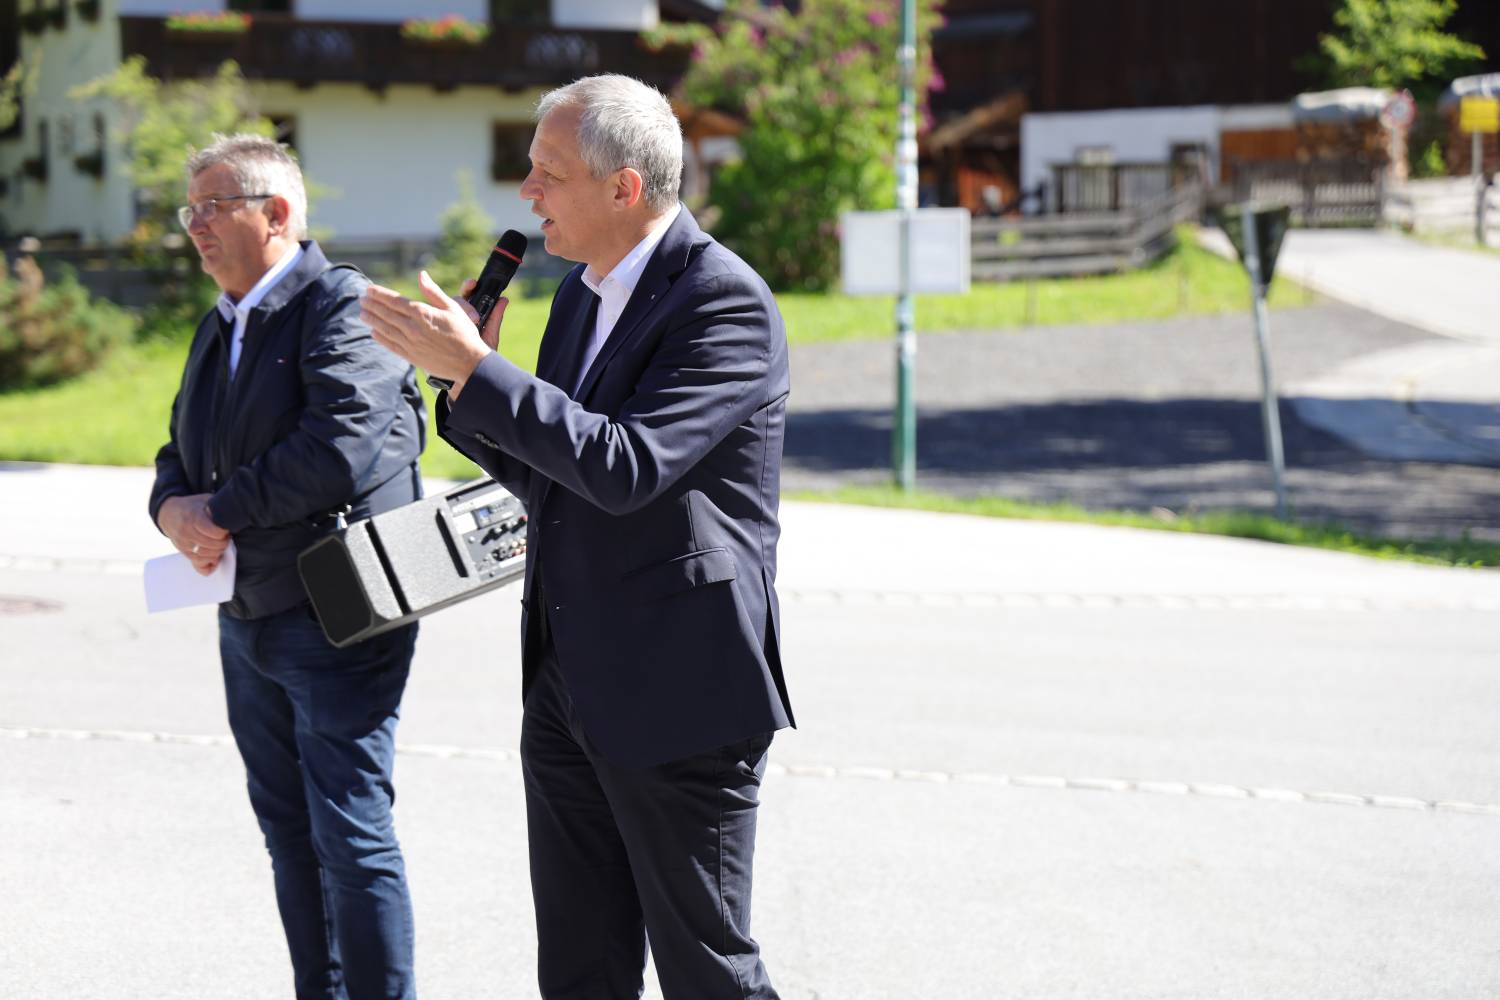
<point>171,582</point>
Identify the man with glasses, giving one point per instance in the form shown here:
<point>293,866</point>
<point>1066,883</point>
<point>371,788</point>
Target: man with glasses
<point>289,417</point>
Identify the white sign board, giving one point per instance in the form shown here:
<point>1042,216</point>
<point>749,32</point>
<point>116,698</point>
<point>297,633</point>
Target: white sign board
<point>871,251</point>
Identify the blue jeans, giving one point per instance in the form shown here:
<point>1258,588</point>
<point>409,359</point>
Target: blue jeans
<point>316,727</point>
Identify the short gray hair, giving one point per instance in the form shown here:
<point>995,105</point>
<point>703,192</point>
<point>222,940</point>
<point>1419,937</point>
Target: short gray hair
<point>625,123</point>
<point>261,166</point>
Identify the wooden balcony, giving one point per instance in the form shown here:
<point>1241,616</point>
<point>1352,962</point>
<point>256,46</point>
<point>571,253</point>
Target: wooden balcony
<point>307,53</point>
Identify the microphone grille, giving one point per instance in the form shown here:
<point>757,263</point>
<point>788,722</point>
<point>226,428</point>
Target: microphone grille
<point>513,243</point>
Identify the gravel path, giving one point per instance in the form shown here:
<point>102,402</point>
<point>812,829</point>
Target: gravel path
<point>1133,416</point>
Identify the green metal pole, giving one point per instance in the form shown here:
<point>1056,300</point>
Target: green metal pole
<point>904,437</point>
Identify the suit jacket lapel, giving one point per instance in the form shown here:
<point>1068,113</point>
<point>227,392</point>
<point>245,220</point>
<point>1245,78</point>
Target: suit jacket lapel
<point>672,256</point>
<point>569,326</point>
<point>568,329</point>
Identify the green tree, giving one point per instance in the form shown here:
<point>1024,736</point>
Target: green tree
<point>18,82</point>
<point>1395,44</point>
<point>463,245</point>
<point>819,92</point>
<point>161,124</point>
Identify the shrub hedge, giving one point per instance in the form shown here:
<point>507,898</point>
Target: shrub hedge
<point>50,331</point>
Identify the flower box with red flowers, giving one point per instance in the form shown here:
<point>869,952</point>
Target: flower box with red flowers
<point>448,31</point>
<point>208,26</point>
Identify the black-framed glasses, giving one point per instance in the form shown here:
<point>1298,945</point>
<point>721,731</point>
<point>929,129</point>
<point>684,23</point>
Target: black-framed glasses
<point>209,207</point>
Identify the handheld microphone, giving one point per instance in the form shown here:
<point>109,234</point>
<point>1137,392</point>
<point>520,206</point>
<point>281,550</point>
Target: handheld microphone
<point>498,270</point>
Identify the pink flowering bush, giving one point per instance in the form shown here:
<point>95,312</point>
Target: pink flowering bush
<point>818,92</point>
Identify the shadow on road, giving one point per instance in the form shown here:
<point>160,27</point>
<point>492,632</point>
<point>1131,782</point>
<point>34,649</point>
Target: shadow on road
<point>1184,454</point>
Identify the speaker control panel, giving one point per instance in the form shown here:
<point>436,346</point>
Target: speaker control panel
<point>492,524</point>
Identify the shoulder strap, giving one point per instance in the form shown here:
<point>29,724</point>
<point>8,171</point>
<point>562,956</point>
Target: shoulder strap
<point>338,514</point>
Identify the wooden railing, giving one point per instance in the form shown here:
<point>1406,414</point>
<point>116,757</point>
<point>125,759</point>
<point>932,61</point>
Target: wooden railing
<point>1080,243</point>
<point>1110,187</point>
<point>279,47</point>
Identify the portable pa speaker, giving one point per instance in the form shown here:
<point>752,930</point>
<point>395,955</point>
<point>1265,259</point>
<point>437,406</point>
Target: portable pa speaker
<point>395,567</point>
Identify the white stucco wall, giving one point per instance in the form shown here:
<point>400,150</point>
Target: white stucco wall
<point>625,15</point>
<point>393,160</point>
<point>1134,135</point>
<point>1254,117</point>
<point>69,200</point>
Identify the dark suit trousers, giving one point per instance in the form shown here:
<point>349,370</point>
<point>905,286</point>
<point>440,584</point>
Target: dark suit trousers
<point>621,854</point>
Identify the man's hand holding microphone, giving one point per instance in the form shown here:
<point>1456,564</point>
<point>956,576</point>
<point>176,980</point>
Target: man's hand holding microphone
<point>447,337</point>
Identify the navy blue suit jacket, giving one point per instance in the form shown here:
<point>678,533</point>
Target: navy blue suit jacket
<point>317,417</point>
<point>653,500</point>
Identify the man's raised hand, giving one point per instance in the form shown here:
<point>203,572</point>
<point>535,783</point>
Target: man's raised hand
<point>438,336</point>
<point>491,332</point>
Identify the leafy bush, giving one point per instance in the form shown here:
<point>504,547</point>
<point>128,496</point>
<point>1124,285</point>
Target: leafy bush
<point>465,240</point>
<point>818,92</point>
<point>1431,163</point>
<point>50,332</point>
<point>176,313</point>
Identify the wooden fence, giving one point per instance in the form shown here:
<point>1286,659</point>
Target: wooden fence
<point>1110,187</point>
<point>1002,249</point>
<point>1080,243</point>
<point>110,272</point>
<point>1320,194</point>
<point>1445,205</point>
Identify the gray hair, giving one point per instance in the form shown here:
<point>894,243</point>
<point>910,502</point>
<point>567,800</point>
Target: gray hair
<point>261,166</point>
<point>625,123</point>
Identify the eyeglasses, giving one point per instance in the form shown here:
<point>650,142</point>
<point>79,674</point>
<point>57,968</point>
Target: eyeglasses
<point>209,207</point>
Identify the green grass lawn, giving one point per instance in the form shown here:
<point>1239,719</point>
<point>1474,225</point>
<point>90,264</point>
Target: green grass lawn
<point>117,414</point>
<point>1188,281</point>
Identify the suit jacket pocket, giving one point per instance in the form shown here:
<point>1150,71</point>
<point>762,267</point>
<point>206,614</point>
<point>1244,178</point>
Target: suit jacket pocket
<point>676,575</point>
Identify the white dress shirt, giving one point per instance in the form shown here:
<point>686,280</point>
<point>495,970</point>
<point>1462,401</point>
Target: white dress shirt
<point>615,288</point>
<point>239,312</point>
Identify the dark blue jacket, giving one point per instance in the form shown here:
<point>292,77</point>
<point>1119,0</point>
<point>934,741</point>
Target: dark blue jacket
<point>653,500</point>
<point>318,416</point>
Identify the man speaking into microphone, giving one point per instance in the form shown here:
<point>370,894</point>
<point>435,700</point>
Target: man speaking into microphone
<point>647,448</point>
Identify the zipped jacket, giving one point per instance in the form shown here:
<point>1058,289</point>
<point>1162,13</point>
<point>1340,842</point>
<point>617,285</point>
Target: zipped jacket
<point>318,420</point>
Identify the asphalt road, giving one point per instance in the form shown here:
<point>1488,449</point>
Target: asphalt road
<point>1036,760</point>
<point>1134,416</point>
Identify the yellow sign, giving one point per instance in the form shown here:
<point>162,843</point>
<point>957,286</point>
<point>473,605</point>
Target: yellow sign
<point>1479,114</point>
